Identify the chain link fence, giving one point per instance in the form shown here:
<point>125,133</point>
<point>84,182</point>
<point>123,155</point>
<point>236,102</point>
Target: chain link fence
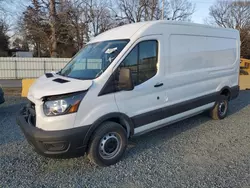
<point>19,68</point>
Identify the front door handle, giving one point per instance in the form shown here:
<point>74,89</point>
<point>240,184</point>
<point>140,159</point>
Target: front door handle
<point>158,85</point>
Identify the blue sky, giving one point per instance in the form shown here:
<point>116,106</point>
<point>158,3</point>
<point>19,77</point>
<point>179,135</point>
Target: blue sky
<point>202,9</point>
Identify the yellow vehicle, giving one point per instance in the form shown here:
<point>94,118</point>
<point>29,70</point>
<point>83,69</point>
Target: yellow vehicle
<point>244,66</point>
<point>244,74</point>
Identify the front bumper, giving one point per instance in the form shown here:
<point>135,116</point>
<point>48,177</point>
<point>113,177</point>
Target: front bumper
<point>68,142</point>
<point>1,96</point>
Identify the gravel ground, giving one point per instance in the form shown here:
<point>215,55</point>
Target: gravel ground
<point>198,152</point>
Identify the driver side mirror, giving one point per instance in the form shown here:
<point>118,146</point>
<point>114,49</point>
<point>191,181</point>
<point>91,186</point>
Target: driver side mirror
<point>125,81</point>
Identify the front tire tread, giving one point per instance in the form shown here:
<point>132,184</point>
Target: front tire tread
<point>93,150</point>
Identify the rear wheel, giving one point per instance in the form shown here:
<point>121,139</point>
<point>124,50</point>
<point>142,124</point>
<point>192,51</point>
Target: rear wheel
<point>220,109</point>
<point>108,144</point>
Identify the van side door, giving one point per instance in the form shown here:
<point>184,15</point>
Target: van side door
<point>144,103</point>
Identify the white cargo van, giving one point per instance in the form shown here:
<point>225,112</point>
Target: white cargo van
<point>130,80</point>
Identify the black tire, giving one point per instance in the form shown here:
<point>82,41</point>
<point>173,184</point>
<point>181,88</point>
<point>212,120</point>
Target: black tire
<point>107,144</point>
<point>220,109</point>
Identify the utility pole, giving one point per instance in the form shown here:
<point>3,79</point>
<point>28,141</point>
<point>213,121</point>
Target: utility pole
<point>162,11</point>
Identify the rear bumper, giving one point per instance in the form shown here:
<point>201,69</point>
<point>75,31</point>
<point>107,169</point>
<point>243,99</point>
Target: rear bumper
<point>67,143</point>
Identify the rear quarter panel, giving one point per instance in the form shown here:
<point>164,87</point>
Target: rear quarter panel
<point>200,60</point>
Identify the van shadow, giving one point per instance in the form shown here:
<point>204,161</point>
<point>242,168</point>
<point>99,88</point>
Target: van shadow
<point>9,131</point>
<point>139,144</point>
<point>13,108</point>
<point>154,138</point>
<point>241,102</point>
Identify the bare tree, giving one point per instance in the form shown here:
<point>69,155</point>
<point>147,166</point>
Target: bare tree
<point>53,25</point>
<point>99,16</point>
<point>139,10</point>
<point>233,14</point>
<point>150,8</point>
<point>3,39</point>
<point>132,10</point>
<point>56,26</point>
<point>79,21</point>
<point>180,10</point>
<point>2,5</point>
<point>145,10</point>
<point>34,26</point>
<point>4,28</point>
<point>92,17</point>
<point>47,24</point>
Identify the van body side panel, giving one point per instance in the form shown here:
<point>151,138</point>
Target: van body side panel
<point>172,110</point>
<point>199,62</point>
<point>191,53</point>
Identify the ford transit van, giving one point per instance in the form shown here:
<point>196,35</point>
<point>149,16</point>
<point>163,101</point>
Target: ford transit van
<point>128,81</point>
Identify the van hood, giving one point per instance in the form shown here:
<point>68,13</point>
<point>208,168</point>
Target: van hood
<point>53,84</point>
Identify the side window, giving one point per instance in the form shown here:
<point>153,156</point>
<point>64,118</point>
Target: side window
<point>147,60</point>
<point>142,61</point>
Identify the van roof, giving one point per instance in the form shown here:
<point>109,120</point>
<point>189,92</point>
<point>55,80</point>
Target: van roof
<point>128,30</point>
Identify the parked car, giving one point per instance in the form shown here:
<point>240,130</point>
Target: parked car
<point>1,95</point>
<point>128,81</point>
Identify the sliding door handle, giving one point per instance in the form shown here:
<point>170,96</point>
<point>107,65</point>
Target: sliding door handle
<point>158,85</point>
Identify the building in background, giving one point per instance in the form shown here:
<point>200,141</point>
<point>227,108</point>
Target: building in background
<point>19,53</point>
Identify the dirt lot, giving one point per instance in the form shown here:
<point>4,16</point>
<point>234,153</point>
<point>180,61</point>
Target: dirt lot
<point>198,152</point>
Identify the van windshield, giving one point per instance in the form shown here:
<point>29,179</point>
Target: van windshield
<point>93,60</point>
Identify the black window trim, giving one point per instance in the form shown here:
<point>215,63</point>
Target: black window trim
<point>111,80</point>
<point>138,56</point>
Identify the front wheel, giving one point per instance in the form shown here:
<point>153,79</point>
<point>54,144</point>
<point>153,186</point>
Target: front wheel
<point>108,144</point>
<point>220,109</point>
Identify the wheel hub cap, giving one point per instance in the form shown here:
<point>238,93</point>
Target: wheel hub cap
<point>109,145</point>
<point>222,108</point>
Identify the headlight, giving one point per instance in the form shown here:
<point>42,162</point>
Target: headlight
<point>60,105</point>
